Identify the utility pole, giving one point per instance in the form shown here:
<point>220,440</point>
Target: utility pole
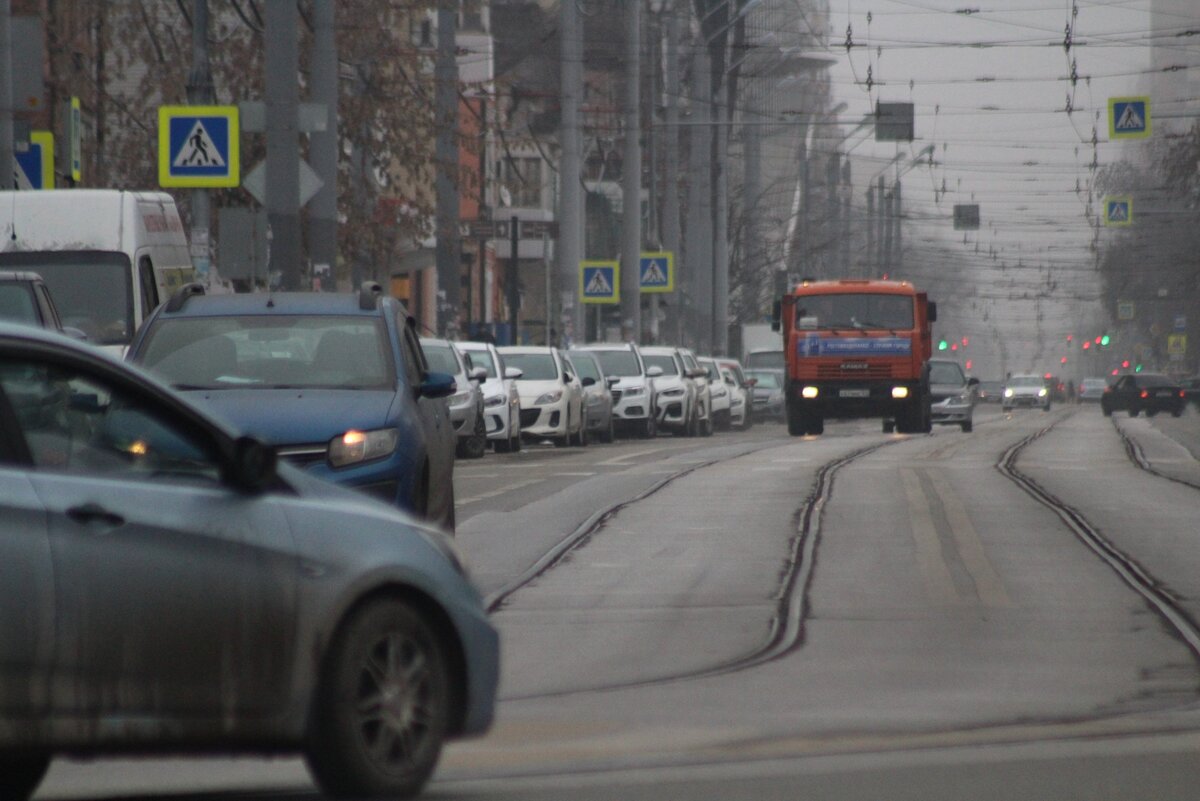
<point>512,281</point>
<point>631,179</point>
<point>888,201</point>
<point>671,233</point>
<point>323,145</point>
<point>698,261</point>
<point>869,261</point>
<point>6,93</point>
<point>570,196</point>
<point>897,260</point>
<point>283,144</point>
<point>200,93</point>
<point>881,214</point>
<point>446,160</point>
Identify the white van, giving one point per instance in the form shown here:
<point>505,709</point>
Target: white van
<point>108,256</point>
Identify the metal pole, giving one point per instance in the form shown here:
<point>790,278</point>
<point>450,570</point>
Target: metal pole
<point>631,179</point>
<point>549,269</point>
<point>6,93</point>
<point>446,161</point>
<point>323,145</point>
<point>570,197</point>
<point>671,233</point>
<point>897,260</point>
<point>200,93</point>
<point>283,153</point>
<point>698,261</point>
<point>881,223</point>
<point>512,281</point>
<point>869,262</point>
<point>886,247</point>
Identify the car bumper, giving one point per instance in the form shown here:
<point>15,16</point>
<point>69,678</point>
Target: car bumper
<point>852,400</point>
<point>672,410</point>
<point>633,408</point>
<point>389,480</point>
<point>1030,401</point>
<point>496,421</point>
<point>544,421</point>
<point>463,419</point>
<point>949,411</point>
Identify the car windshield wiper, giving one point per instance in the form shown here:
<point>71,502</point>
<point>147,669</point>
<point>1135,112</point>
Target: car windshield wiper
<point>869,324</point>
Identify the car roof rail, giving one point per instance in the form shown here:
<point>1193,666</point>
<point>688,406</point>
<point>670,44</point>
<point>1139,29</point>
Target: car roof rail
<point>180,296</point>
<point>369,294</point>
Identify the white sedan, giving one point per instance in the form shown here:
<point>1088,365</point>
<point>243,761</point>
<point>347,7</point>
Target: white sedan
<point>551,395</point>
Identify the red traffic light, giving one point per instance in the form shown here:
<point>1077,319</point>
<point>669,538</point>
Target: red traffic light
<point>965,341</point>
<point>1125,364</point>
<point>954,346</point>
<point>1086,344</point>
<point>1098,340</point>
<point>1048,376</point>
<point>1070,338</point>
<point>1115,371</point>
<point>968,364</point>
<point>1063,360</point>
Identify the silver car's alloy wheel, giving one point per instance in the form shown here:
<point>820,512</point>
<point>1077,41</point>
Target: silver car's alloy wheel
<point>383,708</point>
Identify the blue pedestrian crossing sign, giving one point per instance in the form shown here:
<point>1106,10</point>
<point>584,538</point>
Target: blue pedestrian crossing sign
<point>34,167</point>
<point>198,146</point>
<point>599,282</point>
<point>1128,117</point>
<point>657,272</point>
<point>1118,211</point>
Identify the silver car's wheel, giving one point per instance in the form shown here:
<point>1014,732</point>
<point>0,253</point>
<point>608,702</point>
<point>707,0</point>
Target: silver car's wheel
<point>20,776</point>
<point>383,706</point>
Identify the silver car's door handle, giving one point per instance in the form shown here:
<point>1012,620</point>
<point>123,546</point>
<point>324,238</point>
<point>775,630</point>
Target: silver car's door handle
<point>94,514</point>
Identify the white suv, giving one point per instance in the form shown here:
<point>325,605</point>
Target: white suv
<point>633,394</point>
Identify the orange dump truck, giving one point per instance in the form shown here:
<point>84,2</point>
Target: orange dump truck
<point>856,348</point>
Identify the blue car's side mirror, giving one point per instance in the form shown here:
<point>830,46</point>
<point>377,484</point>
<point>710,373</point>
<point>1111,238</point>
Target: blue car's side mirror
<point>438,385</point>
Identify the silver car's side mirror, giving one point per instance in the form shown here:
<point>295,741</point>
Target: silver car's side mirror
<point>513,372</point>
<point>655,371</point>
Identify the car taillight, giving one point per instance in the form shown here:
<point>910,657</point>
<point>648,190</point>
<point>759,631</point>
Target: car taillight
<point>1182,394</point>
<point>1145,394</point>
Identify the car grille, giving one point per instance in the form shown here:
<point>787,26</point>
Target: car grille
<point>302,455</point>
<point>529,416</point>
<point>871,371</point>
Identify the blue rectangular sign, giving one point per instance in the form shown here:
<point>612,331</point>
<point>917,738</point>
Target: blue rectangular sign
<point>817,345</point>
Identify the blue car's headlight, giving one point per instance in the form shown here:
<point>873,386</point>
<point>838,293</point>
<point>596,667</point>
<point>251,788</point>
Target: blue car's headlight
<point>362,446</point>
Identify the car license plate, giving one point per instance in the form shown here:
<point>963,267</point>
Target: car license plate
<point>1165,393</point>
<point>854,393</point>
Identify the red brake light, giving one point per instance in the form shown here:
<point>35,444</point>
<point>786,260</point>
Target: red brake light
<point>1182,394</point>
<point>1145,394</point>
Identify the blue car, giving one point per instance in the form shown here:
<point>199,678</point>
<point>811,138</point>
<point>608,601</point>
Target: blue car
<point>336,382</point>
<point>166,586</point>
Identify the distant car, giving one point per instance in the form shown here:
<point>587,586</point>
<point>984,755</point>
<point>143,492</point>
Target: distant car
<point>1026,390</point>
<point>189,595</point>
<point>501,402</point>
<point>336,382</point>
<point>1091,390</point>
<point>719,391</point>
<point>990,391</point>
<point>952,394</point>
<point>742,406</point>
<point>551,395</point>
<point>597,394</point>
<point>768,393</point>
<point>466,404</point>
<point>633,394</point>
<point>1191,390</point>
<point>25,298</point>
<point>1143,392</point>
<point>675,391</point>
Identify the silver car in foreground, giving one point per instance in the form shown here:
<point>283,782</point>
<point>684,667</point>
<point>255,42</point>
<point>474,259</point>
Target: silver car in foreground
<point>953,395</point>
<point>166,587</point>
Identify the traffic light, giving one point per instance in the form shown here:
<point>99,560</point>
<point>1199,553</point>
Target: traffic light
<point>968,364</point>
<point>1137,369</point>
<point>943,344</point>
<point>1063,360</point>
<point>1116,371</point>
<point>1104,340</point>
<point>954,346</point>
<point>1070,338</point>
<point>1086,344</point>
<point>1125,364</point>
<point>1098,340</point>
<point>965,341</point>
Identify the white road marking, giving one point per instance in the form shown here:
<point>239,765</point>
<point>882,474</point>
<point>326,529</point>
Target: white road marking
<point>623,459</point>
<point>483,496</point>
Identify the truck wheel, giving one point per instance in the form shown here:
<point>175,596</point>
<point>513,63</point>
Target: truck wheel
<point>795,421</point>
<point>889,426</point>
<point>816,425</point>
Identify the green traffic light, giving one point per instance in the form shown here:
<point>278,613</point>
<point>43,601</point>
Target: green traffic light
<point>943,344</point>
<point>1137,369</point>
<point>1104,340</point>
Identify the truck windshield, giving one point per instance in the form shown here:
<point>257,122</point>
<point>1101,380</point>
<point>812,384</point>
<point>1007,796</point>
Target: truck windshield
<point>857,311</point>
<point>93,290</point>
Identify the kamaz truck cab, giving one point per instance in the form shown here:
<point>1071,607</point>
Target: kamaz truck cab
<point>857,348</point>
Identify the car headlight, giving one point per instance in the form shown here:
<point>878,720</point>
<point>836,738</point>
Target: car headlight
<point>1008,393</point>
<point>362,446</point>
<point>672,393</point>
<point>549,397</point>
<point>632,391</point>
<point>720,393</point>
<point>1042,392</point>
<point>459,398</point>
<point>495,400</point>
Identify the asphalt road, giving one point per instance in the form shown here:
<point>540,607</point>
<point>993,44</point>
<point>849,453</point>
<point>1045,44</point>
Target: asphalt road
<point>1003,614</point>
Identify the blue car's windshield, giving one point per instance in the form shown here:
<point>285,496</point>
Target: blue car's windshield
<point>260,352</point>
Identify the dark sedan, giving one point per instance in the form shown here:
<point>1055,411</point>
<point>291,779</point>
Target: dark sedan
<point>1143,392</point>
<point>338,383</point>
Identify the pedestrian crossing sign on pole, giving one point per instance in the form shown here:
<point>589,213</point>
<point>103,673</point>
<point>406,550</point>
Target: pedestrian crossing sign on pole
<point>1118,211</point>
<point>34,167</point>
<point>198,146</point>
<point>1128,117</point>
<point>599,282</point>
<point>657,272</point>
